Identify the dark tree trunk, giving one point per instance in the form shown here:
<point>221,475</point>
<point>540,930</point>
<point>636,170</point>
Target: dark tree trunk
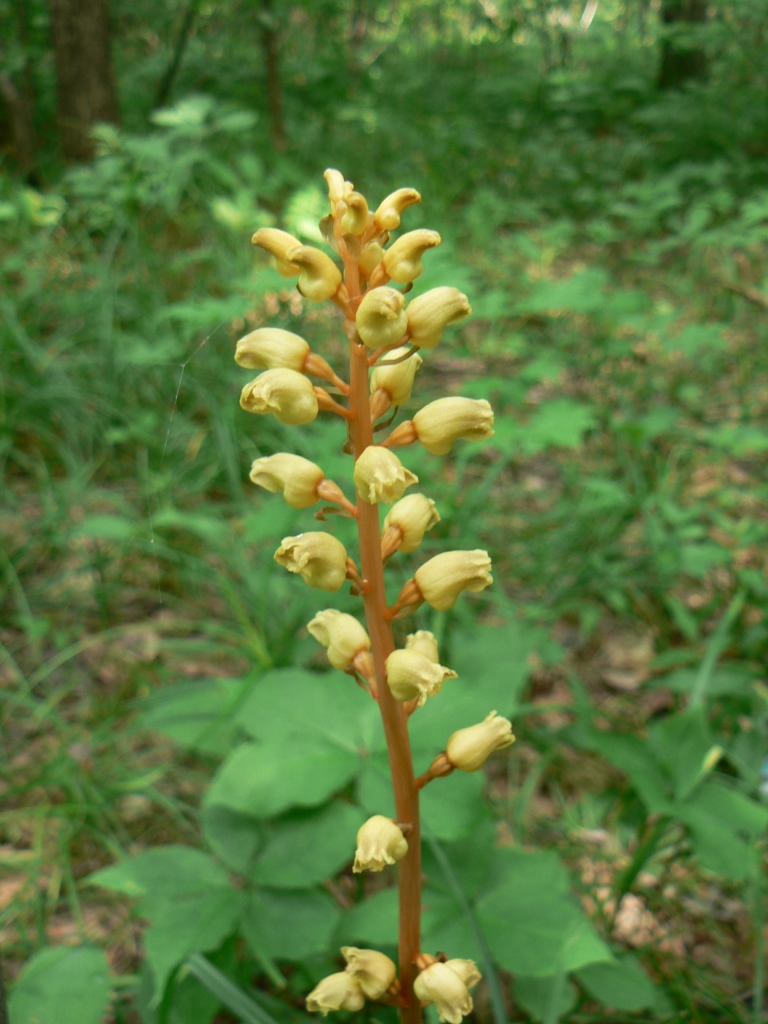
<point>84,84</point>
<point>681,61</point>
<point>270,48</point>
<point>17,92</point>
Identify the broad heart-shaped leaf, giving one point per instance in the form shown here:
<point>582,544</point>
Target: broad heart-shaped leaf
<point>305,847</point>
<point>232,836</point>
<point>163,873</point>
<point>196,714</point>
<point>725,826</point>
<point>529,920</point>
<point>633,756</point>
<point>289,705</point>
<point>681,743</point>
<point>66,984</point>
<point>187,897</point>
<point>286,925</point>
<point>198,922</point>
<point>622,985</point>
<point>548,998</point>
<point>450,808</point>
<point>264,779</point>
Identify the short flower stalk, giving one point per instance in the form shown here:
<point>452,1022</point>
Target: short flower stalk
<point>385,334</point>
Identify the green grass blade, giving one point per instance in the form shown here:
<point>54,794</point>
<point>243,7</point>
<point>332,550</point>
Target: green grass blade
<point>233,997</point>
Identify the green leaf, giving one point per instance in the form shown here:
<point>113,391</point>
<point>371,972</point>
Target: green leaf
<point>529,920</point>
<point>373,921</point>
<point>189,923</point>
<point>681,743</point>
<point>163,873</point>
<point>561,423</point>
<point>286,925</point>
<point>632,756</point>
<point>226,992</point>
<point>546,999</point>
<point>451,808</point>
<point>292,705</point>
<point>197,714</point>
<point>105,527</point>
<point>232,836</point>
<point>68,985</point>
<point>306,847</point>
<point>264,779</point>
<point>622,985</point>
<point>725,826</point>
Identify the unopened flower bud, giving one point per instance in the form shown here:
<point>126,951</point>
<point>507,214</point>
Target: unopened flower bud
<point>387,216</point>
<point>279,244</point>
<point>395,374</point>
<point>336,992</point>
<point>293,476</point>
<point>335,181</point>
<point>380,476</point>
<point>402,261</point>
<point>319,558</point>
<point>380,318</point>
<point>425,643</point>
<point>341,634</point>
<point>430,313</point>
<point>271,348</point>
<point>379,843</point>
<point>287,394</point>
<point>413,515</point>
<point>442,423</point>
<point>320,277</point>
<point>355,219</point>
<point>444,577</point>
<point>469,749</point>
<point>412,676</point>
<point>444,987</point>
<point>373,971</point>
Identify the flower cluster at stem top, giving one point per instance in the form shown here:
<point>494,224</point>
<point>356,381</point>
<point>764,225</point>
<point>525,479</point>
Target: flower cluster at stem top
<point>386,336</point>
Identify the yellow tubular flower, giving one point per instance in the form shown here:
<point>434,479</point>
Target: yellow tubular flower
<point>341,634</point>
<point>444,987</point>
<point>286,394</point>
<point>370,258</point>
<point>319,558</point>
<point>395,374</point>
<point>425,643</point>
<point>469,749</point>
<point>271,348</point>
<point>413,515</point>
<point>402,261</point>
<point>336,992</point>
<point>279,244</point>
<point>335,181</point>
<point>379,843</point>
<point>373,971</point>
<point>444,577</point>
<point>355,219</point>
<point>441,424</point>
<point>413,676</point>
<point>387,216</point>
<point>380,317</point>
<point>430,313</point>
<point>296,478</point>
<point>466,970</point>
<point>380,476</point>
<point>320,277</point>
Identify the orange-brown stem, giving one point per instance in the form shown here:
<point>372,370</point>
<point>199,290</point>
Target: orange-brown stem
<point>393,714</point>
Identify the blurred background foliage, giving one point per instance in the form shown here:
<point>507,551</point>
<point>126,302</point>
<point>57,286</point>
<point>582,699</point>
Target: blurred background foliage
<point>599,174</point>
